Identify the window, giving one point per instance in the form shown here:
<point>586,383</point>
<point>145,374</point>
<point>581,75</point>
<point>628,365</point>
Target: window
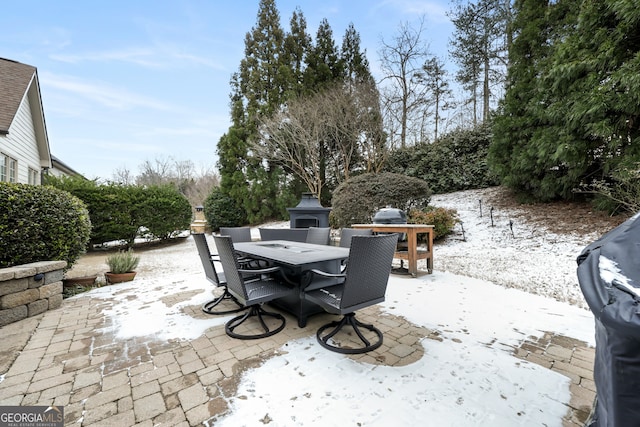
<point>33,176</point>
<point>13,169</point>
<point>8,168</point>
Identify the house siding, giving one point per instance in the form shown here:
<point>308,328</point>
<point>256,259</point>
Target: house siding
<point>20,143</point>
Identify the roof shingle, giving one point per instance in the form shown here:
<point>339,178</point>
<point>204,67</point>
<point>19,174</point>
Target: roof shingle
<point>14,82</point>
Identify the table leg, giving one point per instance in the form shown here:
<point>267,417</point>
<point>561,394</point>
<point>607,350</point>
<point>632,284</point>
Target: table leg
<point>412,238</point>
<point>430,249</point>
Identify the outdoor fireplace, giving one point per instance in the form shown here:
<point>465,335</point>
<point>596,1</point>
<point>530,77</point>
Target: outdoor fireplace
<point>308,213</point>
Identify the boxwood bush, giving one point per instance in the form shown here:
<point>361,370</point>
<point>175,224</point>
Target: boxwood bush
<point>357,199</point>
<point>41,223</point>
<point>221,210</point>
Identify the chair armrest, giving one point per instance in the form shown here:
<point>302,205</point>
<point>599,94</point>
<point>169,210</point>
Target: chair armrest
<point>325,274</point>
<point>259,271</point>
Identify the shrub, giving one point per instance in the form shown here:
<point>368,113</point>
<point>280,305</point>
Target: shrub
<point>110,206</point>
<point>41,223</point>
<point>621,192</point>
<point>457,161</point>
<point>357,199</point>
<point>122,261</point>
<point>442,219</point>
<point>119,211</point>
<point>163,211</point>
<point>220,210</point>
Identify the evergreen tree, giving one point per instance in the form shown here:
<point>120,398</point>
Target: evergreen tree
<point>435,78</point>
<point>522,113</point>
<point>479,47</point>
<point>594,79</point>
<point>571,112</point>
<point>354,61</point>
<point>323,63</point>
<point>259,88</point>
<point>369,140</point>
<point>297,44</point>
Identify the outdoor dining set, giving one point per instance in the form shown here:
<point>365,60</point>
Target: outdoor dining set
<point>299,271</point>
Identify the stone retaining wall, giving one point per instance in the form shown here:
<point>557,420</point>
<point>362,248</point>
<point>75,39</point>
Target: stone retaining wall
<point>30,289</point>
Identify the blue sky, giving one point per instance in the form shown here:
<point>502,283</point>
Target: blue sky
<point>127,81</point>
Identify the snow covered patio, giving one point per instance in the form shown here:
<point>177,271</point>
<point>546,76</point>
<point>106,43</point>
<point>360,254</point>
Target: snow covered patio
<point>458,350</point>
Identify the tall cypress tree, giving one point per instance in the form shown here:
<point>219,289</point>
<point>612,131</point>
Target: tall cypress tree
<point>297,43</point>
<point>259,88</point>
<point>571,111</point>
<point>323,61</point>
<point>522,115</point>
<point>368,137</point>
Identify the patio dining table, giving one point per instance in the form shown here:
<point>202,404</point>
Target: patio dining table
<point>296,260</point>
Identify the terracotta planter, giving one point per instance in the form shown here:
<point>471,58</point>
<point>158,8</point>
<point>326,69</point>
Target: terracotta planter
<point>119,277</point>
<point>79,281</point>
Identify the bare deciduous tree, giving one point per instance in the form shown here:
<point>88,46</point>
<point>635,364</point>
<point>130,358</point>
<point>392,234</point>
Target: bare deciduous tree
<point>338,128</point>
<point>403,94</point>
<point>123,176</point>
<point>195,185</point>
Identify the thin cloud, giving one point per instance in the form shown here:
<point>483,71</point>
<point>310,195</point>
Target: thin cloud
<point>164,57</point>
<point>433,10</point>
<point>102,93</point>
<point>137,56</point>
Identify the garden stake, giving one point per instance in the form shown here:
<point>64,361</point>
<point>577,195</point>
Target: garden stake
<point>491,214</point>
<point>511,227</point>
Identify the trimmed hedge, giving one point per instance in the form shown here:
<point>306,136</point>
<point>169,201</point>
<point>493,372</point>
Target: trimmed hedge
<point>164,211</point>
<point>119,212</point>
<point>357,199</point>
<point>41,223</point>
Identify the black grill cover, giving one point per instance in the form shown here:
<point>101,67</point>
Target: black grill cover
<point>390,216</point>
<point>609,277</point>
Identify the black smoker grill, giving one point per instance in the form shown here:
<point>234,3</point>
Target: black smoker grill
<point>390,215</point>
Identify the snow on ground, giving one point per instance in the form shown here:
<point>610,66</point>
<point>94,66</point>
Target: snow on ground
<point>468,379</point>
<point>509,253</point>
<point>480,298</point>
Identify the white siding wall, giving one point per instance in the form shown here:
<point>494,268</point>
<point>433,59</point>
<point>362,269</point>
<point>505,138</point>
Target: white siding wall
<point>21,143</point>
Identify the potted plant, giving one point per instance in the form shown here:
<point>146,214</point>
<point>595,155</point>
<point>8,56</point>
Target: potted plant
<point>122,265</point>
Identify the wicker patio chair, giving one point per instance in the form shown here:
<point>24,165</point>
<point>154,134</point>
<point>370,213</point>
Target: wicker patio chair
<point>237,234</point>
<point>319,236</point>
<point>290,234</point>
<point>251,293</point>
<point>218,279</point>
<point>347,233</point>
<point>365,284</point>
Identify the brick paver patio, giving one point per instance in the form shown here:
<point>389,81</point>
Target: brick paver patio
<point>67,357</point>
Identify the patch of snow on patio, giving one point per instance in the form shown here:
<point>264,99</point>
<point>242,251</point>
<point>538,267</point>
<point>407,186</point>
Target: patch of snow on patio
<point>470,378</point>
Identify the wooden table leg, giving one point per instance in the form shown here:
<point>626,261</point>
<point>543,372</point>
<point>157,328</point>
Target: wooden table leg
<point>430,251</point>
<point>412,239</point>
